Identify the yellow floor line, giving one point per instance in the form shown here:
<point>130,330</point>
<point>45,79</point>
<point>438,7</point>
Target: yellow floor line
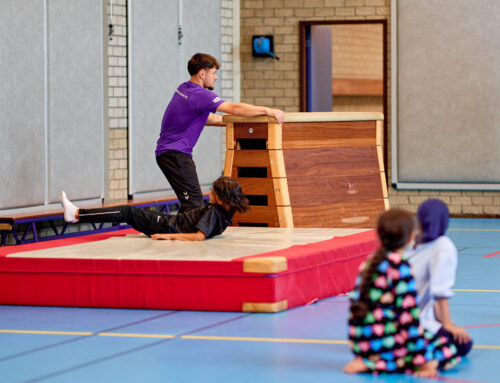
<point>286,340</point>
<point>480,291</point>
<point>255,339</point>
<point>473,229</point>
<point>126,335</point>
<point>204,337</point>
<point>487,347</point>
<point>46,332</point>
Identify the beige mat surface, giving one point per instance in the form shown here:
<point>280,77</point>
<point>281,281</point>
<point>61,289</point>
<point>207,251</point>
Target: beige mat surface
<point>235,242</point>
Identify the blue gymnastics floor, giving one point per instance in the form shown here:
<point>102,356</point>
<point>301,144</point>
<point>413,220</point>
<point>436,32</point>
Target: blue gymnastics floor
<point>305,344</point>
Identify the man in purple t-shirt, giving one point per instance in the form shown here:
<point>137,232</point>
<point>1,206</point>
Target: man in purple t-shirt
<point>193,106</point>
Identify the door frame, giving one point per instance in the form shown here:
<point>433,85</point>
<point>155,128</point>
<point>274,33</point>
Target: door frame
<point>303,68</point>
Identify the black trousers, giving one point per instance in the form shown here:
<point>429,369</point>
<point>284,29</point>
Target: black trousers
<point>180,171</point>
<point>145,221</point>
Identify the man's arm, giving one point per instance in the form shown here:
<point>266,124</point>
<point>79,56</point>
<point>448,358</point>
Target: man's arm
<point>247,110</point>
<point>198,236</point>
<point>215,120</point>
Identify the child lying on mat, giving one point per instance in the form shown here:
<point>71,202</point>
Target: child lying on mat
<point>226,198</point>
<point>384,330</point>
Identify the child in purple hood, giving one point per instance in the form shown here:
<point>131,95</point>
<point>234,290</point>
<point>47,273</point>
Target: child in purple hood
<point>434,263</point>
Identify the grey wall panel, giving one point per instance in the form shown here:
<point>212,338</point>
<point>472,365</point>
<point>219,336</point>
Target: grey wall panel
<point>158,64</point>
<point>448,87</point>
<point>201,29</point>
<point>75,98</point>
<point>22,131</point>
<point>154,75</point>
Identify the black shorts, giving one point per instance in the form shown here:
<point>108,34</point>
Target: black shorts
<point>180,171</point>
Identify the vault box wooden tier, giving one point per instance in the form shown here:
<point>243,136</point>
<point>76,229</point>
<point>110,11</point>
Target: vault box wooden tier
<point>314,170</point>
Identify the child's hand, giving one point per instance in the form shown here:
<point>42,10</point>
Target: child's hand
<point>162,236</point>
<point>198,236</point>
<point>459,334</point>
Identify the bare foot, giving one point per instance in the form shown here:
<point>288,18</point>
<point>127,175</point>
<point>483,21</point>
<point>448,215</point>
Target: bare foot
<point>355,366</point>
<point>449,366</point>
<point>428,369</point>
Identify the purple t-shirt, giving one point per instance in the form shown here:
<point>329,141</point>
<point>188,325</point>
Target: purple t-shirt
<point>185,117</point>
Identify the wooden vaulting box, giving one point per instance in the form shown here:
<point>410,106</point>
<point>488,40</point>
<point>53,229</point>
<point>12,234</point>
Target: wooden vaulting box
<point>315,170</point>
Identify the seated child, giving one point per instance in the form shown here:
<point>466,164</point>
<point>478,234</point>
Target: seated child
<point>226,198</point>
<point>384,330</point>
<point>434,264</point>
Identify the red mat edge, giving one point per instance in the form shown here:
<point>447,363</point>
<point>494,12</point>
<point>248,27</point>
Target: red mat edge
<point>337,249</point>
<point>142,284</point>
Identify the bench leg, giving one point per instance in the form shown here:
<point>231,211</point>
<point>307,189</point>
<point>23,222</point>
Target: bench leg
<point>54,227</point>
<point>23,238</point>
<point>33,228</point>
<point>16,237</point>
<point>66,225</point>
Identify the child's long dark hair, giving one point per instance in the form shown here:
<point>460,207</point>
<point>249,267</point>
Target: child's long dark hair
<point>229,192</point>
<point>394,228</point>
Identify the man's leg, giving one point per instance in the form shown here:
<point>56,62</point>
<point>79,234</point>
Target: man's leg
<point>180,171</point>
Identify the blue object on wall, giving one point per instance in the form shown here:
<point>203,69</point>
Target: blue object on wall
<point>263,46</point>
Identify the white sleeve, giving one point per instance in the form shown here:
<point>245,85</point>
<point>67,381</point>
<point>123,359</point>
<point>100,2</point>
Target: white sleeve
<point>443,268</point>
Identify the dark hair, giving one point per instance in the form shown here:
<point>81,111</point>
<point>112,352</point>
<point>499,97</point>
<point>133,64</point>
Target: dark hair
<point>229,192</point>
<point>394,228</point>
<point>202,61</point>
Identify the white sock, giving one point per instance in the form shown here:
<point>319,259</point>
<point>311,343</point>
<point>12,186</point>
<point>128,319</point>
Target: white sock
<point>69,209</point>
